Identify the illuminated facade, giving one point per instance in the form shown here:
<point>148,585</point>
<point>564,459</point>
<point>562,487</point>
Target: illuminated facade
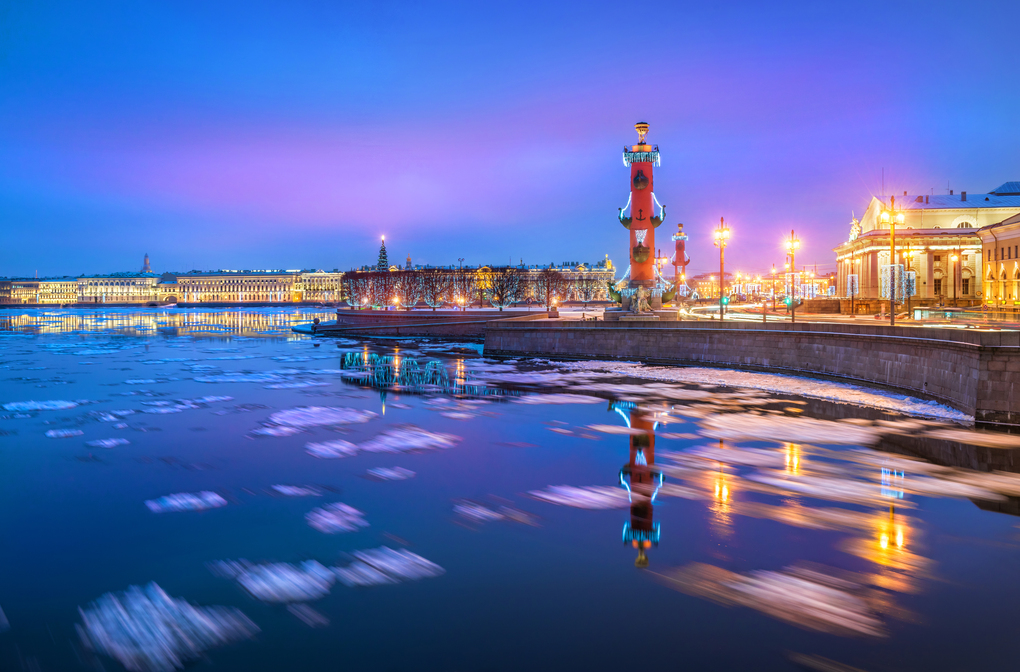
<point>940,243</point>
<point>1000,250</point>
<point>254,287</point>
<point>118,288</point>
<point>56,291</point>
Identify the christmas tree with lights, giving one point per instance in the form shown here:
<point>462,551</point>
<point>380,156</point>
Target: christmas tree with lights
<point>384,263</point>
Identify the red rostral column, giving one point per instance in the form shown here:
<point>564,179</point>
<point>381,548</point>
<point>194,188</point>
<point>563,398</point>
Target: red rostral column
<point>642,221</point>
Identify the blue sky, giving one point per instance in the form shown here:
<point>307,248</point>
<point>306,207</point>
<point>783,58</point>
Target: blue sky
<point>289,135</point>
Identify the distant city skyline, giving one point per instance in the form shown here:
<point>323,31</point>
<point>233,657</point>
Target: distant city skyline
<point>292,136</point>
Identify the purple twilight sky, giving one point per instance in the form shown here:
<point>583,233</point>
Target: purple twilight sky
<point>292,135</point>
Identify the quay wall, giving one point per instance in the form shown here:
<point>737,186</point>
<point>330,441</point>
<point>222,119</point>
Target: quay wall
<point>973,371</point>
<point>440,323</point>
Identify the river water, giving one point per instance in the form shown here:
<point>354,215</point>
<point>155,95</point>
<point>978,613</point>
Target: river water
<point>282,502</point>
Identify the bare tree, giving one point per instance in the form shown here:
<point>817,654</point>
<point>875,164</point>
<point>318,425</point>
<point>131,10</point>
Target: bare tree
<point>435,286</point>
<point>465,284</point>
<point>357,287</point>
<point>587,287</point>
<point>384,286</point>
<point>505,284</point>
<point>551,284</point>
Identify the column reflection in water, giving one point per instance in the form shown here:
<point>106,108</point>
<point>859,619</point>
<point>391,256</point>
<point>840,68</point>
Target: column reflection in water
<point>642,479</point>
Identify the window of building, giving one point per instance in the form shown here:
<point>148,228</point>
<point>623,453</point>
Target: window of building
<point>938,258</point>
<point>938,286</point>
<point>965,285</point>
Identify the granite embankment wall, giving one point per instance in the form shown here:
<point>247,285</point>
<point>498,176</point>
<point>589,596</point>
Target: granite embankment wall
<point>970,370</point>
<point>440,323</point>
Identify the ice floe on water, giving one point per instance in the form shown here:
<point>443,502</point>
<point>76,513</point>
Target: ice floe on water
<point>386,565</point>
<point>477,513</point>
<point>279,581</point>
<point>779,383</point>
<point>297,491</point>
<point>316,416</point>
<point>63,433</point>
<point>390,474</point>
<point>336,518</point>
<point>146,630</point>
<point>331,449</point>
<point>589,497</point>
<point>186,501</point>
<point>39,405</point>
<point>107,443</point>
<point>787,428</point>
<point>406,438</point>
<point>297,385</point>
<point>808,598</point>
<point>542,399</point>
<point>274,430</point>
<point>311,580</point>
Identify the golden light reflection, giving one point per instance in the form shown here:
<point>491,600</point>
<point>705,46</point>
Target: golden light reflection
<point>793,457</point>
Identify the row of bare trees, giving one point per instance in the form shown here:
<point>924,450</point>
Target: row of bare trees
<point>500,286</point>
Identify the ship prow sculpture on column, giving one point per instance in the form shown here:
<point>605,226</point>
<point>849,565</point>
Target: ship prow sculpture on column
<point>643,289</point>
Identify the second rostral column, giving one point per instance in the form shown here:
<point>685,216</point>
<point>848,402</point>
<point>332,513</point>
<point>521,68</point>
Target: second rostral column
<point>642,220</point>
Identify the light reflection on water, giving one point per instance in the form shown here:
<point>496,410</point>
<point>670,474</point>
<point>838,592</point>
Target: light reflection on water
<point>747,518</point>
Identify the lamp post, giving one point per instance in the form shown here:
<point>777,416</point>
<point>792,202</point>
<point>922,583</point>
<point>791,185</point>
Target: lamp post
<point>892,217</point>
<point>722,236</point>
<point>791,246</point>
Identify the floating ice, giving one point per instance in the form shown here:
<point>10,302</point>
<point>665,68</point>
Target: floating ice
<point>39,405</point>
<point>296,491</point>
<point>543,399</point>
<point>63,433</point>
<point>141,381</point>
<point>331,449</point>
<point>107,443</point>
<point>148,631</point>
<point>590,497</point>
<point>617,429</point>
<point>476,513</point>
<point>314,416</point>
<point>274,430</point>
<point>296,385</point>
<point>394,474</point>
<point>280,581</point>
<point>806,598</point>
<point>335,518</point>
<point>386,565</point>
<point>186,501</point>
<point>786,428</point>
<point>307,615</point>
<point>238,377</point>
<point>774,382</point>
<point>407,438</point>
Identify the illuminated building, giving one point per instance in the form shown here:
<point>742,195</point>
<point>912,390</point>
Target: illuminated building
<point>941,244</point>
<point>58,291</point>
<point>256,287</point>
<point>118,288</point>
<point>1000,249</point>
<point>642,479</point>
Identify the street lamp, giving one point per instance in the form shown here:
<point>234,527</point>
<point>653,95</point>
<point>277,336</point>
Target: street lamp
<point>892,217</point>
<point>722,236</point>
<point>792,245</point>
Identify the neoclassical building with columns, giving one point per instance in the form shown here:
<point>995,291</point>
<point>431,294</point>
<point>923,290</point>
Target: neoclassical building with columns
<point>940,240</point>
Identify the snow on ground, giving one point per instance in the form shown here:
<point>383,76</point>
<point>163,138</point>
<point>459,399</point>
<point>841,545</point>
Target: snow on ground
<point>780,383</point>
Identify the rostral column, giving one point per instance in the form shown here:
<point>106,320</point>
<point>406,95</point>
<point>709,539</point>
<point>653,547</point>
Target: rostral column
<point>642,220</point>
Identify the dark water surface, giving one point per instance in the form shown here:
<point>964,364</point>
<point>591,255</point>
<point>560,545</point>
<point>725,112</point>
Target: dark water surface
<point>704,527</point>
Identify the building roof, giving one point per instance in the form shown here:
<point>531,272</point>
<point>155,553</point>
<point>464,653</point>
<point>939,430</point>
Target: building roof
<point>956,202</point>
<point>1007,189</point>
